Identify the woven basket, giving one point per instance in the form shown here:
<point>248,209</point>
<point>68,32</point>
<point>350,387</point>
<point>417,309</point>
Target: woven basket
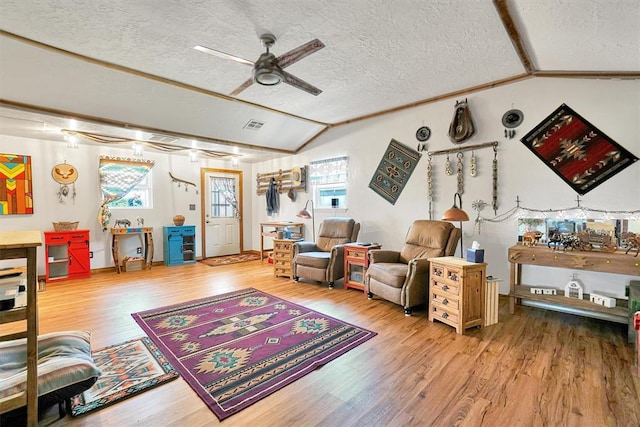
<point>65,225</point>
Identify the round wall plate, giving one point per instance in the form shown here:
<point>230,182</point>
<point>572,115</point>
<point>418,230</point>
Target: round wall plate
<point>512,119</point>
<point>423,134</point>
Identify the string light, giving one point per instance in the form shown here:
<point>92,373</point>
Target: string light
<point>72,141</point>
<point>137,149</point>
<point>107,139</point>
<point>578,211</point>
<point>193,156</point>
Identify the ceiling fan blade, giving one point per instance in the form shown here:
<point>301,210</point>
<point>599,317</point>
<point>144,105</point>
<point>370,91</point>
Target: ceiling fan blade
<point>300,84</point>
<point>222,55</point>
<point>242,87</point>
<point>299,52</point>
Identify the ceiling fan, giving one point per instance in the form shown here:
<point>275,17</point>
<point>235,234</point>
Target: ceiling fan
<point>268,70</point>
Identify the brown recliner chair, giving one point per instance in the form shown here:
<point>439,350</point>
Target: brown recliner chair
<point>323,260</point>
<point>403,277</point>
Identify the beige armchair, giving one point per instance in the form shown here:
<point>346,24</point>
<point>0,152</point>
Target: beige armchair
<point>323,260</point>
<point>403,277</point>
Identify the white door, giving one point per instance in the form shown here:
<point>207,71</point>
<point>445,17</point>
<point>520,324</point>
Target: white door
<point>222,215</point>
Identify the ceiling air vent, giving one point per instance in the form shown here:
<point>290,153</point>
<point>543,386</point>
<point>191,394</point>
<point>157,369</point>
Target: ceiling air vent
<point>253,125</point>
<point>164,139</point>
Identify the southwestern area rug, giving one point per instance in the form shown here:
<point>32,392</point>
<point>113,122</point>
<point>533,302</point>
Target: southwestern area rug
<point>127,369</point>
<point>578,152</point>
<point>237,348</point>
<point>230,259</point>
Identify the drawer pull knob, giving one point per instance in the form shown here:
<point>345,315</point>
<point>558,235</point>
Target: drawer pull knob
<point>445,288</point>
<point>445,301</point>
<point>445,315</point>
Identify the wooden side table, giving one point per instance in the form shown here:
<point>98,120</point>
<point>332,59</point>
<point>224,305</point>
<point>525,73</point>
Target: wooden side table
<point>146,241</point>
<point>283,257</point>
<point>356,262</point>
<point>456,292</point>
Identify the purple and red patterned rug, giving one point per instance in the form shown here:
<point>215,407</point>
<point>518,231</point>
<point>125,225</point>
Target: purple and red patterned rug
<point>237,348</point>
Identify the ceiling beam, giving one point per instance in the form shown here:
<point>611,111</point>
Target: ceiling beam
<point>514,35</point>
<point>622,75</point>
<point>132,126</point>
<point>310,140</point>
<point>454,94</point>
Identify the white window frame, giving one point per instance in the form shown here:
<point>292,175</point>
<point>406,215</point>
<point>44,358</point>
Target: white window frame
<point>338,181</point>
<point>145,188</point>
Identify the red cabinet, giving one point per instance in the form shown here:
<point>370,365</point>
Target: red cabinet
<point>67,255</point>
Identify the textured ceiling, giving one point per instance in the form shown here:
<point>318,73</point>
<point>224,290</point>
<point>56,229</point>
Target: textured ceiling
<point>379,55</point>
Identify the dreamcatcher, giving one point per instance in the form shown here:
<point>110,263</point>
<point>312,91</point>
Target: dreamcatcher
<point>65,175</point>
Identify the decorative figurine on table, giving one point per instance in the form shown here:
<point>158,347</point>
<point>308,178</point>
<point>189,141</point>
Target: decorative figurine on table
<point>124,223</point>
<point>631,241</point>
<point>573,289</point>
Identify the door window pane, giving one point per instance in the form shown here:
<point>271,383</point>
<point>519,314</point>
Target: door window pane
<point>220,205</point>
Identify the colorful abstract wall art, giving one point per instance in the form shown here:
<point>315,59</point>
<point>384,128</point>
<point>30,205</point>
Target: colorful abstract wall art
<point>16,195</point>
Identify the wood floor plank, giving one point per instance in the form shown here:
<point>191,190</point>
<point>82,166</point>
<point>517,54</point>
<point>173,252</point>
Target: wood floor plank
<point>535,367</point>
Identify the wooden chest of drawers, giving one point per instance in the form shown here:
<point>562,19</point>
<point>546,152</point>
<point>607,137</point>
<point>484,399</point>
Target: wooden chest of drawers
<point>283,257</point>
<point>456,292</point>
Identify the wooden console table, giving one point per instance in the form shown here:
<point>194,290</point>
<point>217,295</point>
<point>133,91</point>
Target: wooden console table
<point>146,241</point>
<point>270,229</point>
<point>607,262</point>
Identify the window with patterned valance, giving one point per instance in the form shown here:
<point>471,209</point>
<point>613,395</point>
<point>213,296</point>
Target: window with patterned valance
<point>118,176</point>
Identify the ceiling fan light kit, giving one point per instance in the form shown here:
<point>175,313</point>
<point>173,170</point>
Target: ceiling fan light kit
<point>266,71</point>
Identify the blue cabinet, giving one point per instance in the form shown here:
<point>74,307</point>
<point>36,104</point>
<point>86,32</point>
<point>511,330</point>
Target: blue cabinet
<point>179,245</point>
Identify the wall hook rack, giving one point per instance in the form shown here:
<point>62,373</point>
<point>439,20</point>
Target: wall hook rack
<point>183,181</point>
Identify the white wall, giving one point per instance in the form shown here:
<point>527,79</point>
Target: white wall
<point>610,105</point>
<point>168,198</point>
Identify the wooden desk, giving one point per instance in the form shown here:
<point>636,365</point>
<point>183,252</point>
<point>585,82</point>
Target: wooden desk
<point>146,242</point>
<point>270,229</point>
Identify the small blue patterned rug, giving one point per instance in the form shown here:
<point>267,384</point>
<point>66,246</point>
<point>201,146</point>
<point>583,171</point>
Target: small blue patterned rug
<point>394,171</point>
<point>127,369</point>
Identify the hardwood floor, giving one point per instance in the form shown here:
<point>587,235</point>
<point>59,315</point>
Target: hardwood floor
<point>534,368</point>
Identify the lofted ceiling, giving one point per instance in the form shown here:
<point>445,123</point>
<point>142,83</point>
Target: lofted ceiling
<point>119,66</point>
